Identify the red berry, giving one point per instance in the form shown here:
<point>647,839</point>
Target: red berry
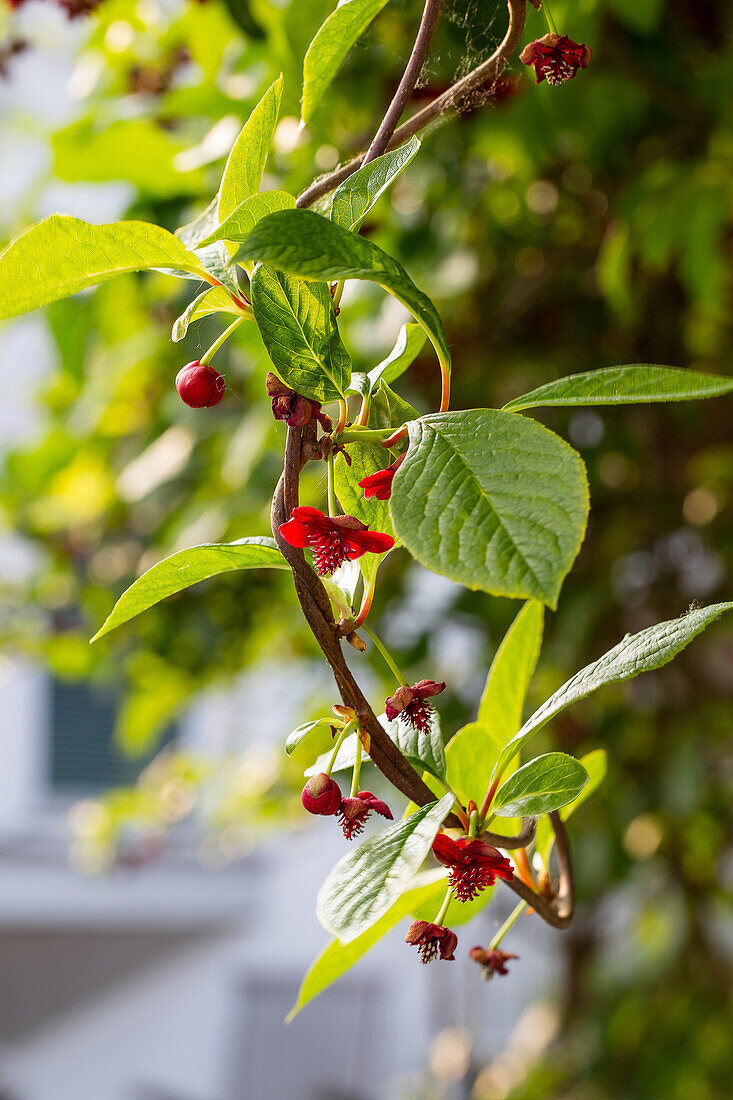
<point>321,795</point>
<point>199,385</point>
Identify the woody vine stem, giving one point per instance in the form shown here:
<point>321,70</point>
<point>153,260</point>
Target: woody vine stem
<point>555,908</point>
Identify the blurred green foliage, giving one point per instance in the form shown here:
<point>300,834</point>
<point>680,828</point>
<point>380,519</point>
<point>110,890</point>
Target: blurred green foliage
<point>558,230</point>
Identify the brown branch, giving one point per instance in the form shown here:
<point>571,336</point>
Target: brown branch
<point>407,84</point>
<point>316,606</point>
<point>458,97</point>
<point>519,840</point>
<point>559,910</point>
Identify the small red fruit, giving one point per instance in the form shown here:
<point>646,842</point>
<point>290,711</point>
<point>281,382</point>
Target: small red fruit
<point>321,795</point>
<point>199,385</point>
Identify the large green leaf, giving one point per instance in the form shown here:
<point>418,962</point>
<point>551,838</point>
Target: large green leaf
<point>337,958</point>
<point>595,764</point>
<point>366,882</point>
<point>244,218</point>
<point>423,750</point>
<point>246,163</point>
<point>298,326</point>
<point>216,299</point>
<point>188,567</point>
<point>492,500</point>
<point>544,784</point>
<point>330,46</point>
<point>61,255</point>
<point>502,702</point>
<point>358,194</point>
<point>214,257</point>
<point>642,652</point>
<point>629,385</point>
<point>308,245</point>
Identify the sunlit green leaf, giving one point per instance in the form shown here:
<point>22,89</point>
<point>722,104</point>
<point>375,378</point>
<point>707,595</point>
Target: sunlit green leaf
<point>298,326</point>
<point>244,218</point>
<point>188,567</point>
<point>329,48</point>
<point>246,163</point>
<point>366,882</point>
<point>544,784</point>
<point>630,385</point>
<point>355,197</point>
<point>216,299</point>
<point>83,255</point>
<point>301,732</point>
<point>642,652</point>
<point>491,500</point>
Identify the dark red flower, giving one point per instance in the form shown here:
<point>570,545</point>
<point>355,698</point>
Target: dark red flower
<point>409,703</point>
<point>379,485</point>
<point>474,865</point>
<point>333,541</point>
<point>295,410</point>
<point>491,962</point>
<point>432,940</point>
<point>199,385</point>
<point>321,795</point>
<point>556,58</point>
<point>354,812</point>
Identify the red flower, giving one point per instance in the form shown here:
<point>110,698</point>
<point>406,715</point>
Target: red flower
<point>556,58</point>
<point>409,703</point>
<point>321,795</point>
<point>354,812</point>
<point>295,410</point>
<point>474,865</point>
<point>491,962</point>
<point>379,485</point>
<point>199,385</point>
<point>333,541</point>
<point>432,940</point>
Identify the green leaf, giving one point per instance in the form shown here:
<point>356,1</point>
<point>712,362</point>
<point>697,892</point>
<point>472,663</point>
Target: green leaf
<point>642,652</point>
<point>246,163</point>
<point>366,459</point>
<point>188,567</point>
<point>491,500</point>
<point>337,958</point>
<point>216,299</point>
<point>61,255</point>
<point>470,756</point>
<point>367,882</point>
<point>595,764</point>
<point>301,732</point>
<point>423,750</point>
<point>544,784</point>
<point>242,221</point>
<point>502,702</point>
<point>355,197</point>
<point>215,257</point>
<point>329,48</point>
<point>630,385</point>
<point>312,247</point>
<point>345,757</point>
<point>298,326</point>
<point>408,346</point>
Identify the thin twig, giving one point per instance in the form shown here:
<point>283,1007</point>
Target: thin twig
<point>520,840</point>
<point>408,82</point>
<point>457,97</point>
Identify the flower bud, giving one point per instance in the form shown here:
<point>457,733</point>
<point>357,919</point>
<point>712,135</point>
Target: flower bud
<point>321,795</point>
<point>199,385</point>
